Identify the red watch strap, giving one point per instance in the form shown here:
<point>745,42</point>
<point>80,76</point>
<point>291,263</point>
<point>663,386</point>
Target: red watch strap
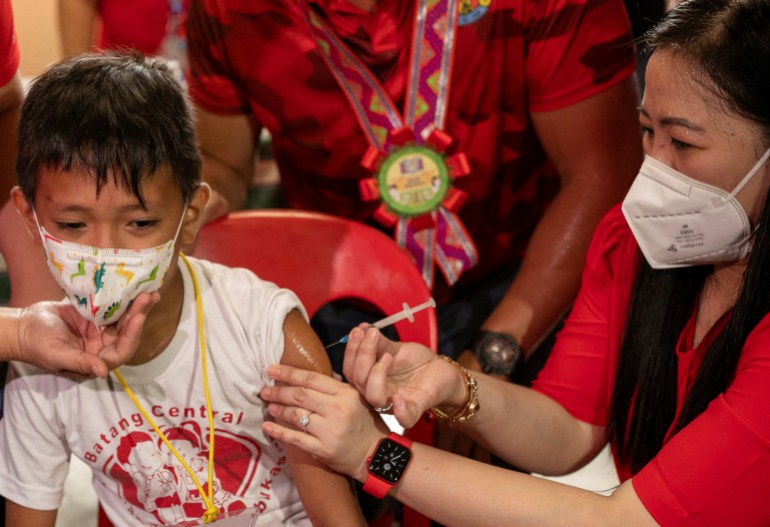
<point>379,487</point>
<point>376,487</point>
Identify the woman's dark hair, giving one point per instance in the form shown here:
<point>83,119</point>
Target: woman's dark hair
<point>728,43</point>
<point>117,115</point>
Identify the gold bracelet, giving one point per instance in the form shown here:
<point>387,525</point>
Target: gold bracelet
<point>471,407</point>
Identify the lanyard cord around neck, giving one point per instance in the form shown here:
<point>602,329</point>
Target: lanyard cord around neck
<point>211,510</point>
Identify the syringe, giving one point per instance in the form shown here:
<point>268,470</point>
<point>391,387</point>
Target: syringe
<point>407,312</point>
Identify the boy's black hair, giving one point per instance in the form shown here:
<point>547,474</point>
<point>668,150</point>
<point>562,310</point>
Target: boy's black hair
<point>727,42</point>
<point>114,115</point>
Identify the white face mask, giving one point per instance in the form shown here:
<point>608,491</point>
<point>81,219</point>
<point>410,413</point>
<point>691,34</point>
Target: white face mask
<point>101,283</point>
<point>678,221</point>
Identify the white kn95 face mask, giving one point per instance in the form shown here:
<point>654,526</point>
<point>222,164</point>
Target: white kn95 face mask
<point>679,221</point>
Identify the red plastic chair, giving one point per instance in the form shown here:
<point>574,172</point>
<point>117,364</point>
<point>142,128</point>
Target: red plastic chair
<point>324,258</point>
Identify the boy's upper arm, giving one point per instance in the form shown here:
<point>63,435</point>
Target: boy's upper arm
<point>19,516</point>
<point>302,348</point>
<point>336,505</point>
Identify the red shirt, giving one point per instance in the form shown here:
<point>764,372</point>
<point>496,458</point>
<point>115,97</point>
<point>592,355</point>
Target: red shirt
<point>9,46</point>
<point>716,470</point>
<point>258,58</point>
<point>136,24</point>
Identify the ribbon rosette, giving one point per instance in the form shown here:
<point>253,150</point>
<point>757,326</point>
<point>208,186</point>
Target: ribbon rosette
<point>414,183</point>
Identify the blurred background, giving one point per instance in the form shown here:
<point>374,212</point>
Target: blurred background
<point>38,32</point>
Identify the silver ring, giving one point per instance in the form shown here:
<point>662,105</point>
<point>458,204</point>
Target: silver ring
<point>383,409</point>
<point>304,420</point>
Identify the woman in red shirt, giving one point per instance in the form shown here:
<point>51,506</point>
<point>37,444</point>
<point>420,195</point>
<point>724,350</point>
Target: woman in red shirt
<point>665,355</point>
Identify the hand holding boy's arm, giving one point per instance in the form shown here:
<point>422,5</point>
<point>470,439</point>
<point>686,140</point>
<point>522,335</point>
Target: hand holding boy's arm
<point>337,504</point>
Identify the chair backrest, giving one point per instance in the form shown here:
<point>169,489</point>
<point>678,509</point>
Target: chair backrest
<point>325,258</point>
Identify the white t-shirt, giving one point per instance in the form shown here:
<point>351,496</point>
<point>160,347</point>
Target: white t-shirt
<point>137,480</point>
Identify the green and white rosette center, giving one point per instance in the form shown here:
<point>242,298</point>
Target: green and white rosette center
<point>413,180</point>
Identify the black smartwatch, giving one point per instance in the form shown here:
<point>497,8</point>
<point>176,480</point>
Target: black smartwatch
<point>498,353</point>
<point>387,464</point>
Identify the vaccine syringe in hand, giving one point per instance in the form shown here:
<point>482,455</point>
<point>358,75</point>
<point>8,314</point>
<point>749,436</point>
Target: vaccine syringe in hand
<point>406,313</point>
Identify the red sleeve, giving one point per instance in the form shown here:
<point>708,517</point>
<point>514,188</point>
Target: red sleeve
<point>9,47</point>
<point>716,471</point>
<point>575,50</point>
<point>580,370</point>
<point>211,83</point>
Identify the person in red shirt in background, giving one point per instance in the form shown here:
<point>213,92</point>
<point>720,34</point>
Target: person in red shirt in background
<point>538,134</point>
<point>11,96</point>
<point>22,257</point>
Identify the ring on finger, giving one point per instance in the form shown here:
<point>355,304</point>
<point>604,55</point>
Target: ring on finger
<point>304,420</point>
<point>383,409</point>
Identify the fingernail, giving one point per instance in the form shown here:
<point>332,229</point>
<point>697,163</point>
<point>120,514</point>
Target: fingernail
<point>371,334</point>
<point>273,371</point>
<point>265,393</point>
<point>355,335</point>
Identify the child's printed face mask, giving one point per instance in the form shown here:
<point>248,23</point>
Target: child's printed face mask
<point>101,283</point>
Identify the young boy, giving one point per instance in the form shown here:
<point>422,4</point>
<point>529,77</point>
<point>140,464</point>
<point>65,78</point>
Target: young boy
<point>109,185</point>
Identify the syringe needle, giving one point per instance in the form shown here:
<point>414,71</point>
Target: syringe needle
<point>407,312</point>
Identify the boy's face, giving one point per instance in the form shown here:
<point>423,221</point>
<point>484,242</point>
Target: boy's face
<point>68,207</point>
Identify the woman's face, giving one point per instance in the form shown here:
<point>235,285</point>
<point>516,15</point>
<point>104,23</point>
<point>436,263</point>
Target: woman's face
<point>685,126</point>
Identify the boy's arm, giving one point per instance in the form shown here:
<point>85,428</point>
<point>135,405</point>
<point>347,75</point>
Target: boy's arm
<point>19,516</point>
<point>336,504</point>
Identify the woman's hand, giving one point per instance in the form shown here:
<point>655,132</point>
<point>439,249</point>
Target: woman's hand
<point>341,430</point>
<point>54,337</point>
<point>406,374</point>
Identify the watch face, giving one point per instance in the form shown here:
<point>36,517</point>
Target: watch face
<point>389,461</point>
<point>498,353</point>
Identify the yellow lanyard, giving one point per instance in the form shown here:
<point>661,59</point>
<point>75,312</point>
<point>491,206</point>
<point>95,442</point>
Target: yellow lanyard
<point>211,510</point>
